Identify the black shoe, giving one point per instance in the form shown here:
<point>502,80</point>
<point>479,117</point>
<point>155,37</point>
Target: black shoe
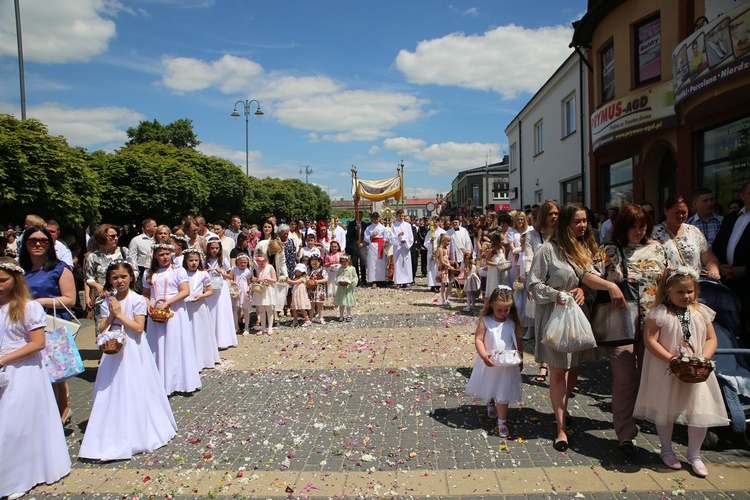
<point>560,445</point>
<point>627,447</point>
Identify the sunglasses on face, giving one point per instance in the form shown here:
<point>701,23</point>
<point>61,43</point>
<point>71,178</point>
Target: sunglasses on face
<point>43,242</point>
<point>112,236</point>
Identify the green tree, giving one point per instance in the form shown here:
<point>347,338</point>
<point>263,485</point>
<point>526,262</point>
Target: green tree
<point>150,180</point>
<point>178,133</point>
<point>43,175</point>
<point>228,187</point>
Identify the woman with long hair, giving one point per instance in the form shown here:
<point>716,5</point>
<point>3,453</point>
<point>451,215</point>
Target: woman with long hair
<point>562,267</point>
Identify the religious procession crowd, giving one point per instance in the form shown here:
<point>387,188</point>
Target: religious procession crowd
<point>177,283</point>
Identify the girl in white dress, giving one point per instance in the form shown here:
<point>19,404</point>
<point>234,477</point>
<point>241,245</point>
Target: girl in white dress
<point>241,276</point>
<point>130,412</point>
<point>497,265</point>
<point>201,322</point>
<point>32,440</point>
<point>220,303</point>
<point>331,261</point>
<point>676,327</point>
<point>171,342</point>
<point>498,330</point>
<point>264,301</point>
<point>472,284</point>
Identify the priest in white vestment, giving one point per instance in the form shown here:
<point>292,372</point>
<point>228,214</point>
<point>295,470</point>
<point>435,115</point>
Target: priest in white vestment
<point>402,238</point>
<point>460,242</point>
<point>376,256</point>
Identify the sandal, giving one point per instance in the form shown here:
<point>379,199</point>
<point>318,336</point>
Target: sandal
<point>670,460</point>
<point>542,377</point>
<point>699,468</point>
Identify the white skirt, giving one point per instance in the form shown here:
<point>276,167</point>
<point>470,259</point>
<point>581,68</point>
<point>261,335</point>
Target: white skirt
<point>206,349</point>
<point>220,307</point>
<point>130,413</point>
<point>32,441</point>
<point>174,352</point>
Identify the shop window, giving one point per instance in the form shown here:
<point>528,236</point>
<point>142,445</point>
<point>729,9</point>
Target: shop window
<point>512,157</point>
<point>647,50</point>
<point>618,183</point>
<point>569,115</point>
<point>572,190</point>
<point>607,59</point>
<point>724,159</point>
<point>539,137</point>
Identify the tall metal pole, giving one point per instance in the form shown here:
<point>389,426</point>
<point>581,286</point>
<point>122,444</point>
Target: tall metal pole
<point>307,170</point>
<point>235,114</point>
<point>20,59</point>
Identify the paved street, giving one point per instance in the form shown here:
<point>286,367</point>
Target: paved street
<point>375,408</point>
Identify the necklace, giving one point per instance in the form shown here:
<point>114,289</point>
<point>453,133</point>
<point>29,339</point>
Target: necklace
<point>684,318</point>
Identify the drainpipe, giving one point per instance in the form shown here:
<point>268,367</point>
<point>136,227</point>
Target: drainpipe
<point>520,163</point>
<point>581,61</point>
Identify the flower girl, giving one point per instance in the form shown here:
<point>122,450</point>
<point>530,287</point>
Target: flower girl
<point>264,293</point>
<point>201,323</point>
<point>171,341</point>
<point>130,412</point>
<point>32,440</point>
<point>220,302</point>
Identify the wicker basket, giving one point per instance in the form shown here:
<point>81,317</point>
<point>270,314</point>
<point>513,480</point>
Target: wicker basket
<point>259,287</point>
<point>518,285</point>
<point>160,315</point>
<point>234,291</point>
<point>111,346</point>
<point>693,371</point>
<point>310,284</point>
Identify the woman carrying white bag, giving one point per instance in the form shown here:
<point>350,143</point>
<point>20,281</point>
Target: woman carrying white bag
<point>561,267</point>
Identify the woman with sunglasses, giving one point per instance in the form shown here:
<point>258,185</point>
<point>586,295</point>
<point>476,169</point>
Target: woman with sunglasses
<point>105,251</point>
<point>49,280</point>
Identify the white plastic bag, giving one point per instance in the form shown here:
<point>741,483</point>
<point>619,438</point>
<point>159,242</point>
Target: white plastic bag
<point>568,329</point>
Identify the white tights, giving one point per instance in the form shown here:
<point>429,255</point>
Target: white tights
<point>266,315</point>
<point>348,311</point>
<point>696,435</point>
<point>445,292</point>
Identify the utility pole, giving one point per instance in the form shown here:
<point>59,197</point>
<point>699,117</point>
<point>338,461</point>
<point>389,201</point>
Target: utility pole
<point>307,170</point>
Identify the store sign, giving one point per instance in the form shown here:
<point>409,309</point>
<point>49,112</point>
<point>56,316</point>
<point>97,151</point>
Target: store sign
<point>639,113</point>
<point>714,53</point>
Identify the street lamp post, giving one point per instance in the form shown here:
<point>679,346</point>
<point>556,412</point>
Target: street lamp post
<point>307,170</point>
<point>235,114</point>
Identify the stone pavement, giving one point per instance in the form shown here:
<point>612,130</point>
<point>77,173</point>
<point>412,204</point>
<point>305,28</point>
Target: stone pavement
<point>375,408</point>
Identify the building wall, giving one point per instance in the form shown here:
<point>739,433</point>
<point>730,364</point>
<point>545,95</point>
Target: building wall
<point>664,161</point>
<point>536,177</point>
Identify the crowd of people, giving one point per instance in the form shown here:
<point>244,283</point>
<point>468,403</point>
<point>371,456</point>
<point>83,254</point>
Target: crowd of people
<point>178,283</point>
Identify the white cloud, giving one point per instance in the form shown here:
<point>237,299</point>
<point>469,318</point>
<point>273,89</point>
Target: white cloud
<point>229,74</point>
<point>317,104</point>
<point>86,127</point>
<point>445,158</point>
<point>238,157</point>
<point>373,150</point>
<point>58,31</point>
<point>508,60</point>
<point>471,11</point>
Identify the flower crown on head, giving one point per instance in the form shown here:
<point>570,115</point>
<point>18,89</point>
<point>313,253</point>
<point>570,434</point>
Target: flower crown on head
<point>179,238</point>
<point>163,246</point>
<point>117,262</point>
<point>682,271</point>
<point>192,250</point>
<point>12,267</point>
<point>242,256</point>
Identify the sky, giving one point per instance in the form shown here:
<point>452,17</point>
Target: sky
<point>369,83</point>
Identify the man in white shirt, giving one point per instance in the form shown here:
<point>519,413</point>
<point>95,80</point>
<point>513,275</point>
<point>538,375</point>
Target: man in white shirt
<point>402,238</point>
<point>62,251</point>
<point>606,232</point>
<point>203,229</point>
<point>140,247</point>
<point>460,241</point>
<point>374,237</point>
<point>338,232</point>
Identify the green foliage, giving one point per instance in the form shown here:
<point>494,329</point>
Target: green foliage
<point>41,174</point>
<point>343,213</point>
<point>178,133</point>
<point>150,180</point>
<point>157,174</point>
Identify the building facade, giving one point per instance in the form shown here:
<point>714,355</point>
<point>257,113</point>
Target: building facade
<point>668,92</point>
<point>548,141</point>
<point>480,189</point>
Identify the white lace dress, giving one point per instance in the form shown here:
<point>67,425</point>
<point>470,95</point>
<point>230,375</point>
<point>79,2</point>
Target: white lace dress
<point>501,383</point>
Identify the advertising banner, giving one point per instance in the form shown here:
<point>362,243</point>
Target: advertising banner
<point>718,51</point>
<point>640,112</point>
